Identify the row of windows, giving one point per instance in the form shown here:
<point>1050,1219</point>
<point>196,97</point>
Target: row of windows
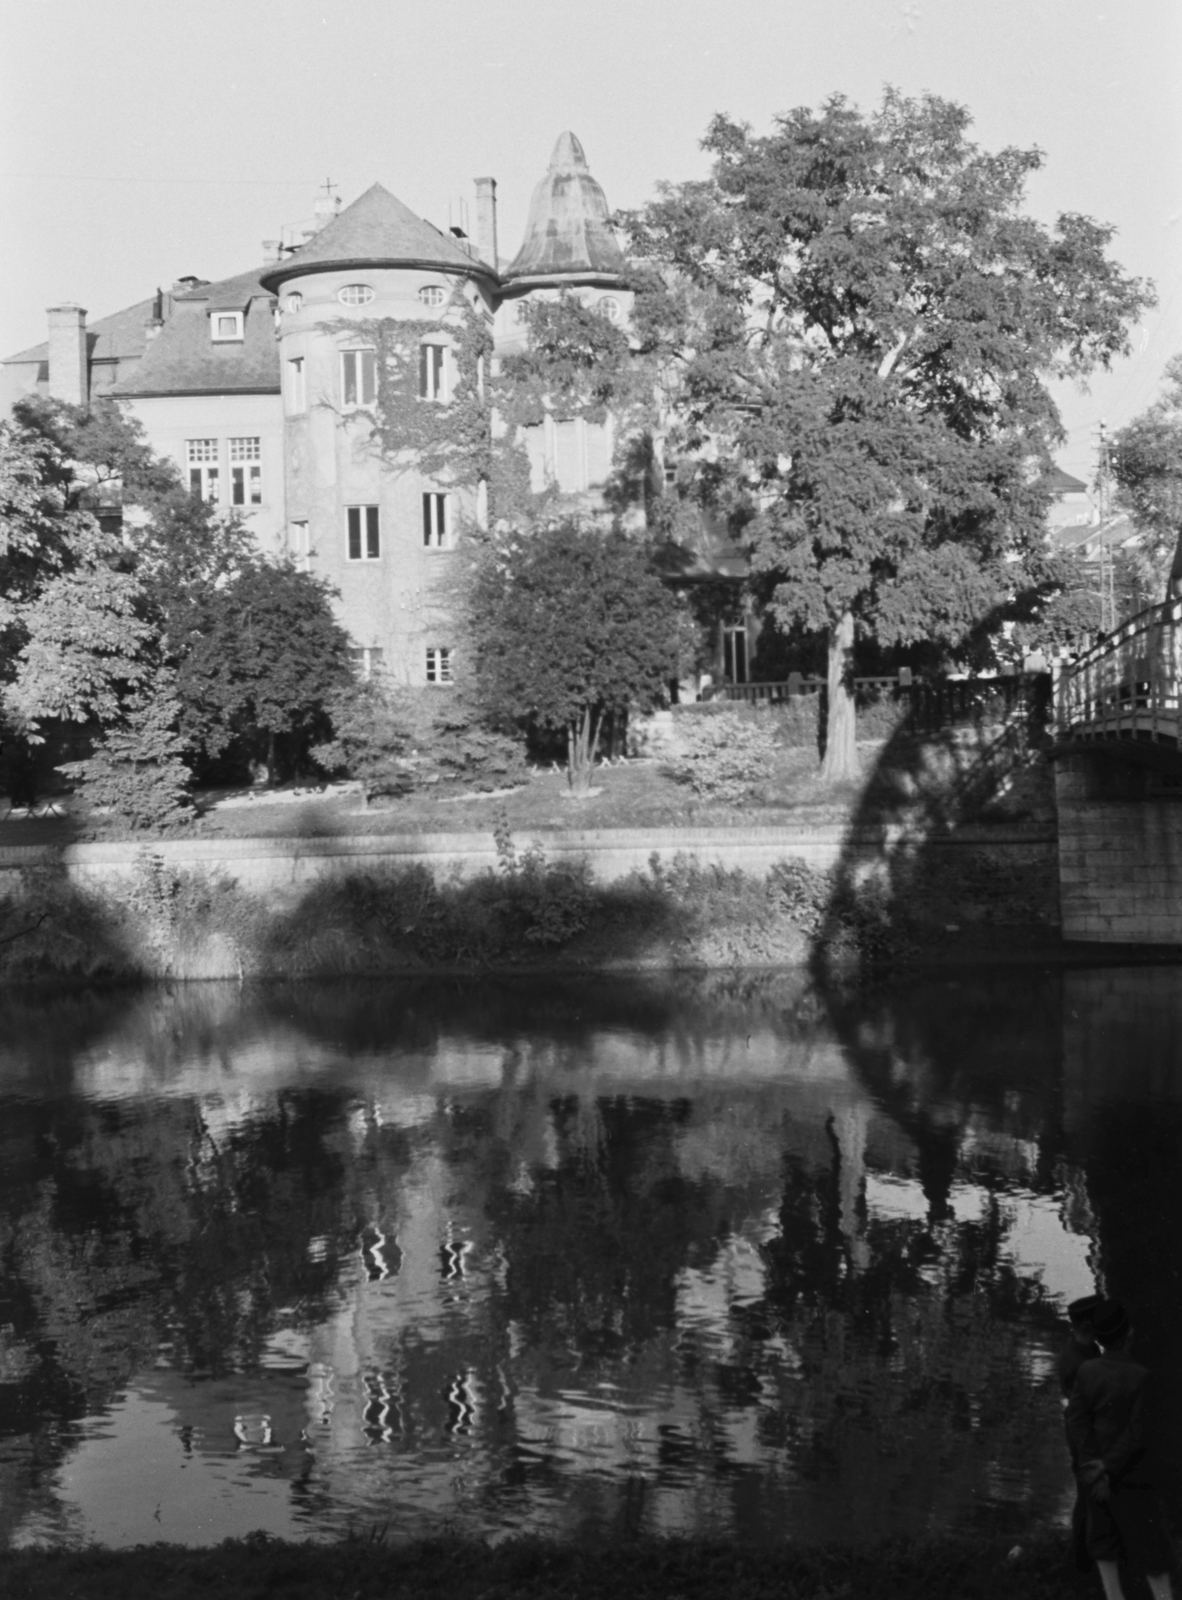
<point>363,527</point>
<point>245,456</point>
<point>359,386</point>
<point>360,294</point>
<point>438,662</point>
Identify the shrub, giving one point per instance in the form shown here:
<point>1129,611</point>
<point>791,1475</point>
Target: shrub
<point>136,772</point>
<point>725,756</point>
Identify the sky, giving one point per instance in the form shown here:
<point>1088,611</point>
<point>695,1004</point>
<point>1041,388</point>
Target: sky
<point>142,140</point>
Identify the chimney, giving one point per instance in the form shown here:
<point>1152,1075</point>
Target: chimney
<point>486,220</point>
<point>68,375</point>
<point>272,250</point>
<point>156,321</point>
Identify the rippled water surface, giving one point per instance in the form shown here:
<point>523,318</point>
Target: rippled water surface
<point>713,1254</point>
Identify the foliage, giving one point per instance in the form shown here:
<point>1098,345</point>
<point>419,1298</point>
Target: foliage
<point>1147,465</point>
<point>865,321</point>
<point>136,772</point>
<point>568,625</point>
<point>575,364</point>
<point>724,757</point>
<point>259,656</point>
<point>371,741</point>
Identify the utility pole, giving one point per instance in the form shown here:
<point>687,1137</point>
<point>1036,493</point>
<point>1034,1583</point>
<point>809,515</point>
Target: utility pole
<point>1108,617</point>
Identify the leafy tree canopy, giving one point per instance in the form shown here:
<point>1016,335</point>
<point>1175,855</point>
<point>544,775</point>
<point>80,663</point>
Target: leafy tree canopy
<point>568,624</point>
<point>1147,465</point>
<point>863,323</point>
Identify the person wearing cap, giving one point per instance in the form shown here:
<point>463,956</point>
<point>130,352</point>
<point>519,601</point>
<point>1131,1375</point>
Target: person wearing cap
<point>1079,1348</point>
<point>1106,1434</point>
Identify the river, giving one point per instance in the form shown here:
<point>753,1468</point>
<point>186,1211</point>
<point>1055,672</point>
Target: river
<point>713,1254</point>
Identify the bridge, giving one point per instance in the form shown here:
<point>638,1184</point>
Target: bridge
<point>1122,698</point>
<point>1118,784</point>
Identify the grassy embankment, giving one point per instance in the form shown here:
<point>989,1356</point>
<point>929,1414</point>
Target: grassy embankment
<point>463,1570</point>
<point>533,912</point>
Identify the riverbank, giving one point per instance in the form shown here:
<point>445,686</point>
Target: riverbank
<point>641,1569</point>
<point>609,900</point>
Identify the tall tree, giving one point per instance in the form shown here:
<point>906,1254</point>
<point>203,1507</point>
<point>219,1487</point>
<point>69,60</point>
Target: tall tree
<point>1147,465</point>
<point>864,323</point>
<point>567,626</point>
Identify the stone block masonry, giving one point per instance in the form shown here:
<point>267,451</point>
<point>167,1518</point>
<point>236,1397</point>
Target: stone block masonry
<point>1120,857</point>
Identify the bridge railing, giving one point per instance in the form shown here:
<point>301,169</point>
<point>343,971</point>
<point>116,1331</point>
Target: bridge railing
<point>1127,685</point>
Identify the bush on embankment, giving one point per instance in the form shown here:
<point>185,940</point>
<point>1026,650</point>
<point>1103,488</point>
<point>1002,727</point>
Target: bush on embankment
<point>466,1569</point>
<point>165,922</point>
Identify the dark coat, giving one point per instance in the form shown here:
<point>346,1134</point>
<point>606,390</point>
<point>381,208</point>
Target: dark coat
<point>1106,1418</point>
<point>1071,1359</point>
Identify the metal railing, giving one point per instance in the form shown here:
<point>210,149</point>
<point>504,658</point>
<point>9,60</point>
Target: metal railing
<point>1127,685</point>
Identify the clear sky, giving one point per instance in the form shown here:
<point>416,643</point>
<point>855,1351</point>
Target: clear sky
<point>144,139</point>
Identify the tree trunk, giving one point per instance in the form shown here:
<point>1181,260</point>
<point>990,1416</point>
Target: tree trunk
<point>841,747</point>
<point>271,758</point>
<point>582,742</point>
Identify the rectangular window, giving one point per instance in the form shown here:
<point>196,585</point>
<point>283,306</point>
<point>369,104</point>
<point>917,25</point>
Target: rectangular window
<point>297,387</point>
<point>358,377</point>
<point>202,457</point>
<point>365,542</point>
<point>299,544</point>
<point>438,664</point>
<point>432,372</point>
<point>246,472</point>
<point>226,326</point>
<point>366,661</point>
<point>436,521</point>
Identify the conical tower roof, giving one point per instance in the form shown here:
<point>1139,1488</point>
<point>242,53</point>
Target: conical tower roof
<point>567,235</point>
<point>377,230</point>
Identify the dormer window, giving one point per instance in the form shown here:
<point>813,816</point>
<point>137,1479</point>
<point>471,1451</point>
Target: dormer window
<point>432,294</point>
<point>225,327</point>
<point>355,294</point>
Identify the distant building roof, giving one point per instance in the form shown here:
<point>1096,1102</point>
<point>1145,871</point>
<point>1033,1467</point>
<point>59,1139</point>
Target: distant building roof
<point>1061,482</point>
<point>183,358</point>
<point>1088,538</point>
<point>567,234</point>
<point>119,337</point>
<point>376,230</point>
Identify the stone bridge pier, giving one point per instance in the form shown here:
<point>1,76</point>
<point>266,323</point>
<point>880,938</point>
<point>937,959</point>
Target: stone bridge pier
<point>1118,785</point>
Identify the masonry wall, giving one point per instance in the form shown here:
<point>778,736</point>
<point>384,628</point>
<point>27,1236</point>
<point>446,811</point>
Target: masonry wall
<point>1120,855</point>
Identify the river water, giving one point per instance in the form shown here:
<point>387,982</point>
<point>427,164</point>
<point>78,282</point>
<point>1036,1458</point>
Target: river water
<point>715,1254</point>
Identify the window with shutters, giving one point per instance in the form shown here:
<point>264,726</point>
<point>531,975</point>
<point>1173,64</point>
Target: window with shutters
<point>436,521</point>
<point>358,378</point>
<point>363,533</point>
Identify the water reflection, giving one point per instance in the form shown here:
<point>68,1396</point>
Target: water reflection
<point>709,1255</point>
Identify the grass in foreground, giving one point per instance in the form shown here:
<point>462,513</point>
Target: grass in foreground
<point>460,1569</point>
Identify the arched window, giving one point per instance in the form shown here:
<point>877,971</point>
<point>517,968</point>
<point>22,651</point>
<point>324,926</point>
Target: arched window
<point>432,294</point>
<point>355,294</point>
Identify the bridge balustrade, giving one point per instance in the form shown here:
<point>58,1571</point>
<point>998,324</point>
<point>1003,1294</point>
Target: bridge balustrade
<point>1127,685</point>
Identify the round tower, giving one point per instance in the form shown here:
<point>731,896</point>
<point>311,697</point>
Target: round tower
<point>380,324</point>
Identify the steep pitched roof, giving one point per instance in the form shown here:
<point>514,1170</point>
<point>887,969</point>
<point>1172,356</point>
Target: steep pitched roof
<point>183,359</point>
<point>119,337</point>
<point>567,234</point>
<point>376,230</point>
<point>1061,482</point>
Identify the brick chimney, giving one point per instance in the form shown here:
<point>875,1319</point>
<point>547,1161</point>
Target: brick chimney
<point>69,377</point>
<point>486,221</point>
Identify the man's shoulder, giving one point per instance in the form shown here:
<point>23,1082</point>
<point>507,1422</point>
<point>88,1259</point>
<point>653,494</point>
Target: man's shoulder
<point>1111,1372</point>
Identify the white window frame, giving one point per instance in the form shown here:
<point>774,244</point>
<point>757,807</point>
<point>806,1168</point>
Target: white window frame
<point>437,520</point>
<point>433,295</point>
<point>297,385</point>
<point>203,464</point>
<point>299,543</point>
<point>293,303</point>
<point>238,321</point>
<point>361,403</point>
<point>368,659</point>
<point>356,294</point>
<point>434,372</point>
<point>609,308</point>
<point>366,522</point>
<point>246,470</point>
<point>440,665</point>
